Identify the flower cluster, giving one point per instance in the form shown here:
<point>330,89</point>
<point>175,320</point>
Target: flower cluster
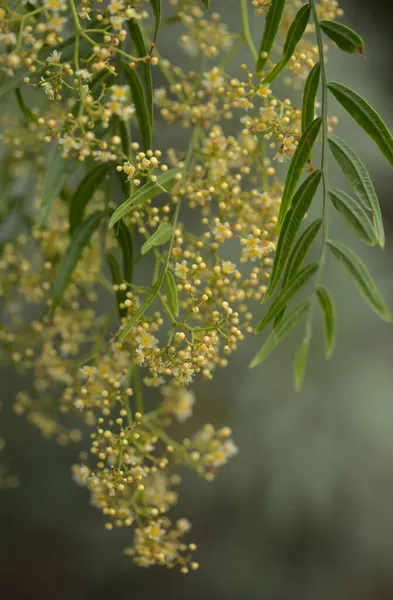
<point>94,346</point>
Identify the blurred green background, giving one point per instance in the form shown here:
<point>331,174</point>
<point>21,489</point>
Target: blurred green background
<point>305,511</point>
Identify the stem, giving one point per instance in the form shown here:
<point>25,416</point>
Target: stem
<point>324,153</point>
<point>78,30</point>
<point>138,391</point>
<point>324,115</point>
<point>246,30</point>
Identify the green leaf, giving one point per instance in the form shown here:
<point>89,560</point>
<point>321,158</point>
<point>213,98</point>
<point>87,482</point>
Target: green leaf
<point>171,293</point>
<point>354,215</point>
<point>58,170</point>
<point>287,292</point>
<point>365,116</point>
<point>292,222</point>
<point>294,35</point>
<point>117,280</point>
<point>206,3</point>
<point>301,249</point>
<point>310,95</point>
<point>84,193</point>
<point>139,99</point>
<point>296,167</point>
<point>299,363</point>
<point>360,181</point>
<point>27,112</point>
<point>298,256</point>
<point>156,6</point>
<point>281,331</point>
<point>149,190</point>
<point>124,238</point>
<point>151,296</point>
<point>345,38</point>
<point>145,66</point>
<point>12,83</point>
<point>362,278</point>
<point>162,234</point>
<point>67,264</point>
<point>329,316</point>
<point>273,19</point>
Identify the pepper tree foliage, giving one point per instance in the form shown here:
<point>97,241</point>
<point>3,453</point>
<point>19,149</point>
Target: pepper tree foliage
<point>123,296</point>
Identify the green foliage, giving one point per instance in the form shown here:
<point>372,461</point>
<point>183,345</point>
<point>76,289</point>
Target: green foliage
<point>151,189</point>
<point>281,331</point>
<point>292,222</point>
<point>84,193</point>
<point>288,291</point>
<point>297,165</point>
<point>294,206</point>
<point>345,38</point>
<point>362,278</point>
<point>273,19</point>
<point>69,260</point>
<point>365,116</point>
<point>117,281</point>
<point>124,238</point>
<point>142,107</point>
<point>162,234</point>
<point>57,173</point>
<point>326,304</point>
<point>354,215</point>
<point>145,65</point>
<point>171,293</point>
<point>294,35</point>
<point>156,6</point>
<point>300,363</point>
<point>149,299</point>
<point>360,181</point>
<point>310,95</point>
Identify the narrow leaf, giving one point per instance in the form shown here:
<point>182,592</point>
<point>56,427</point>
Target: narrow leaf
<point>345,38</point>
<point>360,181</point>
<point>171,293</point>
<point>156,6</point>
<point>151,296</point>
<point>117,280</point>
<point>67,264</point>
<point>298,256</point>
<point>145,66</point>
<point>294,35</point>
<point>139,99</point>
<point>300,362</point>
<point>365,116</point>
<point>162,234</point>
<point>149,190</point>
<point>206,3</point>
<point>310,95</point>
<point>57,172</point>
<point>362,278</point>
<point>297,165</point>
<point>282,330</point>
<point>292,222</point>
<point>124,239</point>
<point>329,316</point>
<point>354,215</point>
<point>301,249</point>
<point>287,293</point>
<point>273,19</point>
<point>84,193</point>
<point>12,83</point>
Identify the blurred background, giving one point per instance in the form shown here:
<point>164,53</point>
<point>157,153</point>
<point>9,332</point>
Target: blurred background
<point>305,511</point>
